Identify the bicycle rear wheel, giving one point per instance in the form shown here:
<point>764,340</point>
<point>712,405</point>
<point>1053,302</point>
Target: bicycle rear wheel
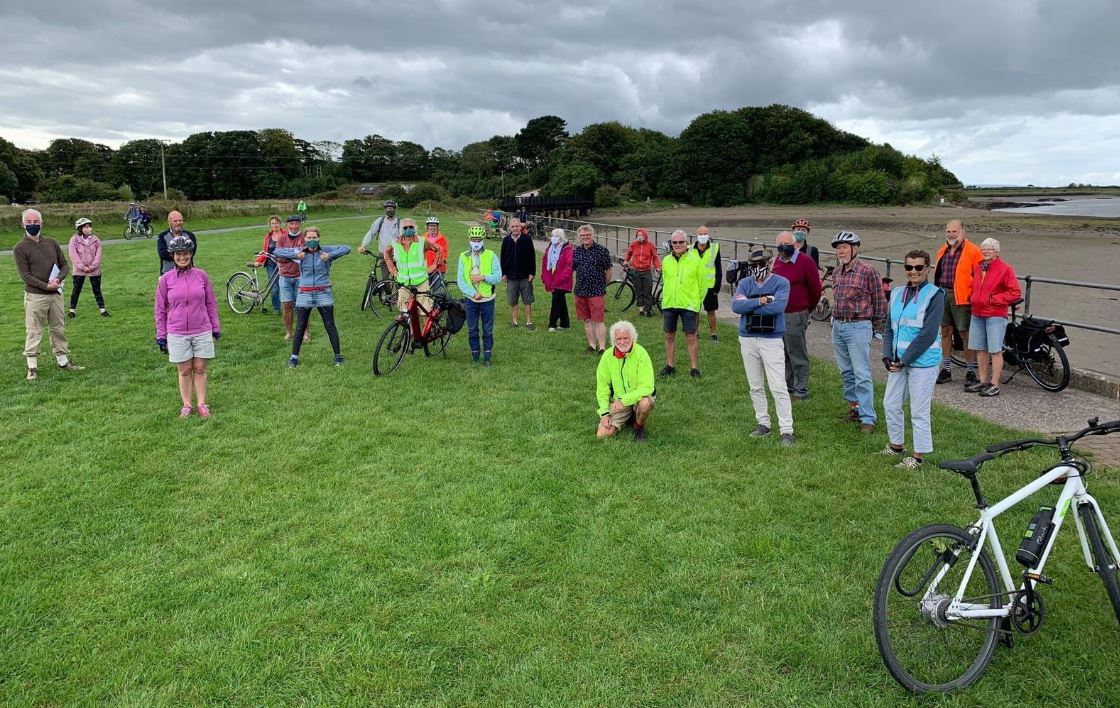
<point>1048,366</point>
<point>923,649</point>
<point>1102,556</point>
<point>823,310</point>
<point>241,293</point>
<point>367,295</point>
<point>624,295</point>
<point>391,348</point>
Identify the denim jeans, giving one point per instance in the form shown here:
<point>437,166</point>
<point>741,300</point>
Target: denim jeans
<point>480,312</point>
<point>917,385</point>
<point>270,268</point>
<point>851,341</point>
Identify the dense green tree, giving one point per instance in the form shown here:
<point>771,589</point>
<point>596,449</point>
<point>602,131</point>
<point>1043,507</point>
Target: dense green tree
<point>137,163</point>
<point>539,138</point>
<point>24,166</point>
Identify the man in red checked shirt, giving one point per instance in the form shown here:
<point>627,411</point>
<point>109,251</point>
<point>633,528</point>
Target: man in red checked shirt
<point>859,310</point>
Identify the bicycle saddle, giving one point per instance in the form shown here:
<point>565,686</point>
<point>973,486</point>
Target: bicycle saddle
<point>967,466</point>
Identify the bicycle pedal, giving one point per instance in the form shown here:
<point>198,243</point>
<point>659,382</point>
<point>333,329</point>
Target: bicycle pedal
<point>1039,578</point>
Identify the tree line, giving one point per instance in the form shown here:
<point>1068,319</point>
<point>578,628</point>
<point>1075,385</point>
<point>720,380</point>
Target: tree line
<point>770,154</point>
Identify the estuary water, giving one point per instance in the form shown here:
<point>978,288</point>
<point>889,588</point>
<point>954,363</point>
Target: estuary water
<point>1095,206</point>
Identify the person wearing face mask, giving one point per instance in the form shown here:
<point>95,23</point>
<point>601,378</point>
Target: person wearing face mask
<point>187,325</point>
<point>760,301</point>
<point>804,293</point>
<point>860,309</point>
<point>479,271</point>
<point>801,229</point>
<point>556,275</point>
<point>85,254</point>
<point>386,229</point>
<point>315,290</point>
<point>708,250</point>
<point>174,230</point>
<point>437,262</point>
<point>42,267</point>
<point>624,384</point>
<point>407,262</point>
<point>911,353</point>
<point>956,259</point>
<point>289,275</point>
<point>642,259</point>
<point>683,284</point>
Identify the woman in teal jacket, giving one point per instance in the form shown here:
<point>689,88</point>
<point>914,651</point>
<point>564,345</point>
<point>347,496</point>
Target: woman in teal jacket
<point>624,384</point>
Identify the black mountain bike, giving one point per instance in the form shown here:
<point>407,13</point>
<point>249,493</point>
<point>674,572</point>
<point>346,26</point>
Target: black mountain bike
<point>1031,344</point>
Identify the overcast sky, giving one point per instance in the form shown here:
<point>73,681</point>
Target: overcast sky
<point>1015,91</point>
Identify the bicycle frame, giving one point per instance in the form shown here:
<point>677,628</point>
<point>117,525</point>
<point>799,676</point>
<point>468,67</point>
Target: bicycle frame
<point>262,294</point>
<point>1073,495</point>
<point>413,312</point>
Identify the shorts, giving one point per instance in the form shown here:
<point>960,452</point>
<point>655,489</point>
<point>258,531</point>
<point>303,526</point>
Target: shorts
<point>315,298</point>
<point>404,295</point>
<point>711,300</point>
<point>590,309</point>
<point>688,319</point>
<point>520,288</point>
<point>986,334</point>
<point>959,316</point>
<point>289,288</point>
<point>619,420</point>
<point>184,347</point>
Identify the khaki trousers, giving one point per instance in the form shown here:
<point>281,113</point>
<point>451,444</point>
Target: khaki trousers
<point>45,311</point>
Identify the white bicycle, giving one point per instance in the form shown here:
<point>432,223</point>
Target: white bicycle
<point>939,610</point>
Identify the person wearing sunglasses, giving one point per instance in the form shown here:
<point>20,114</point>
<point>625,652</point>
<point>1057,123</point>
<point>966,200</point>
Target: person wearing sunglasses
<point>912,355</point>
<point>408,264</point>
<point>683,284</point>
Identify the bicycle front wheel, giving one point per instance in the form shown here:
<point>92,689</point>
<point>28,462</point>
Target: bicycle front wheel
<point>391,348</point>
<point>922,648</point>
<point>1048,366</point>
<point>127,233</point>
<point>367,296</point>
<point>1102,556</point>
<point>241,293</point>
<point>823,310</point>
<point>623,295</point>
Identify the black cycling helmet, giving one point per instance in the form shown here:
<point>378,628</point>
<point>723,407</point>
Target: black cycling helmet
<point>180,244</point>
<point>389,203</point>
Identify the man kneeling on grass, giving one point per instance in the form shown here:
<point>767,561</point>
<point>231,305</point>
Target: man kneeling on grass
<point>624,384</point>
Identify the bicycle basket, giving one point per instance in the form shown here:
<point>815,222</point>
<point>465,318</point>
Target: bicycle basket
<point>456,316</point>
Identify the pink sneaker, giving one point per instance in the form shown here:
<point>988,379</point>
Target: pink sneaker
<point>185,412</point>
<point>203,410</point>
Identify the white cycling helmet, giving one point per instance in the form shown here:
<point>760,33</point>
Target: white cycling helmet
<point>432,220</point>
<point>82,222</point>
<point>849,237</point>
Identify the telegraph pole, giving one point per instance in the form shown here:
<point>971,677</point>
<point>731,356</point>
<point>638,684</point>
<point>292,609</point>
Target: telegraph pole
<point>163,165</point>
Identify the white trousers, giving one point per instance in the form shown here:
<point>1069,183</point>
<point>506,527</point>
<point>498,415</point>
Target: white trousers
<point>765,362</point>
<point>916,385</point>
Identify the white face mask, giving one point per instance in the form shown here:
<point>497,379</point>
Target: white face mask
<point>555,240</point>
<point>476,246</point>
<point>701,238</point>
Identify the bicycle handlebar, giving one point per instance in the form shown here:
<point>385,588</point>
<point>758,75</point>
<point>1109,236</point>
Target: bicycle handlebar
<point>1095,428</point>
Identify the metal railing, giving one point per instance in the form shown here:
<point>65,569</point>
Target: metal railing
<point>621,236</point>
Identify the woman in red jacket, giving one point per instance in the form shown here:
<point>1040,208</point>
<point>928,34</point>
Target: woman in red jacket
<point>269,245</point>
<point>556,274</point>
<point>994,289</point>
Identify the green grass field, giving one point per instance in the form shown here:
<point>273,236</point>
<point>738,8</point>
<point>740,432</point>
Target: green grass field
<point>456,535</point>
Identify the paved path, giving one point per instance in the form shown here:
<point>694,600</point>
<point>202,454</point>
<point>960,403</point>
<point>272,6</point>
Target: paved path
<point>1021,405</point>
<point>114,241</point>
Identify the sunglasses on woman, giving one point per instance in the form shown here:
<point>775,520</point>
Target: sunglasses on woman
<point>919,267</point>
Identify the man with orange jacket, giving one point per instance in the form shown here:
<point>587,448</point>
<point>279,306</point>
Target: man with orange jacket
<point>956,259</point>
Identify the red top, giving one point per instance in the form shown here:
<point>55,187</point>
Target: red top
<point>268,246</point>
<point>804,282</point>
<point>561,278</point>
<point>440,242</point>
<point>643,255</point>
<point>995,290</point>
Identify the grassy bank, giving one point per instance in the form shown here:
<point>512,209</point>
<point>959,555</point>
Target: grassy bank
<point>453,534</point>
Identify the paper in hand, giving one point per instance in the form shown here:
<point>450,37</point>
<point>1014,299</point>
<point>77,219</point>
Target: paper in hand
<point>54,276</point>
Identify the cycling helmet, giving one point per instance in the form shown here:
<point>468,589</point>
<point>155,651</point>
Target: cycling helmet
<point>432,220</point>
<point>849,237</point>
<point>82,222</point>
<point>179,244</point>
<point>802,224</point>
<point>476,232</point>
<point>389,203</point>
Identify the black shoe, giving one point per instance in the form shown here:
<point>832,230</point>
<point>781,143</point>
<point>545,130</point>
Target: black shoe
<point>760,431</point>
<point>640,434</point>
<point>105,313</point>
<point>71,314</point>
<point>944,376</point>
<point>975,387</point>
<point>990,391</point>
<point>338,360</point>
<point>293,363</point>
<point>694,373</point>
<point>668,370</point>
<point>970,376</point>
<point>715,337</point>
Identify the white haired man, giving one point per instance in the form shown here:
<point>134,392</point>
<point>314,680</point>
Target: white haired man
<point>43,268</point>
<point>624,384</point>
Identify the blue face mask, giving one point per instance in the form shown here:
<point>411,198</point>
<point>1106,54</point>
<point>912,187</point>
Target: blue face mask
<point>32,229</point>
<point>409,231</point>
<point>313,245</point>
<point>800,236</point>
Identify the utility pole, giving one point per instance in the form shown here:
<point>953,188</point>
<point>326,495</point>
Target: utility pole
<point>163,165</point>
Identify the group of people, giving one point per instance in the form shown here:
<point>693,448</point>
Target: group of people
<point>775,290</point>
<point>138,217</point>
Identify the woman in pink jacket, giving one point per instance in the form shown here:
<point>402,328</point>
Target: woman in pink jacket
<point>556,274</point>
<point>85,255</point>
<point>187,323</point>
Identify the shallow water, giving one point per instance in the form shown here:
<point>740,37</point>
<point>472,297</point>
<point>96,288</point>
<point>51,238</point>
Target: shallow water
<point>1103,206</point>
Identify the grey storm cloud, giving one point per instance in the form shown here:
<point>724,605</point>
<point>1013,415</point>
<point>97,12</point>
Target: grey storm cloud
<point>1002,91</point>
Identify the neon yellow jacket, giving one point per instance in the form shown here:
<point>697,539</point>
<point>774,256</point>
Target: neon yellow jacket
<point>629,379</point>
<point>683,282</point>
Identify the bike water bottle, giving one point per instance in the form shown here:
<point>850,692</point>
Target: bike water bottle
<point>1036,536</point>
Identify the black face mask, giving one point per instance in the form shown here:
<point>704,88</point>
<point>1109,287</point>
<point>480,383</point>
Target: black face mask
<point>33,229</point>
<point>786,250</point>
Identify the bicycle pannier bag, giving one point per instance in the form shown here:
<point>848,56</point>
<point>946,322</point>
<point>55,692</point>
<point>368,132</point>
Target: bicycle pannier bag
<point>456,316</point>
